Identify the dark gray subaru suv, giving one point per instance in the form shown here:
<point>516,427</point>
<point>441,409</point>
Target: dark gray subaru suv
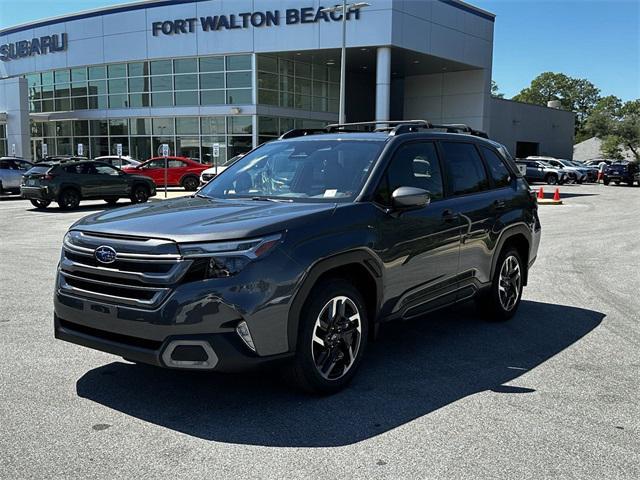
<point>299,251</point>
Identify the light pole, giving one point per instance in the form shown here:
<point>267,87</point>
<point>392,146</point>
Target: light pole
<point>344,8</point>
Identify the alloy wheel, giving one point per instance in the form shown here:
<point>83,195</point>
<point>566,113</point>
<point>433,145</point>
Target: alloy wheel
<point>510,283</point>
<point>337,334</point>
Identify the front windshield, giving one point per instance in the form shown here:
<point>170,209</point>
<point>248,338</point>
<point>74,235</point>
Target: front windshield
<point>310,170</point>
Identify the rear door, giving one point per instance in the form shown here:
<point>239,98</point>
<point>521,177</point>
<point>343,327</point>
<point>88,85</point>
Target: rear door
<point>469,185</point>
<point>420,247</point>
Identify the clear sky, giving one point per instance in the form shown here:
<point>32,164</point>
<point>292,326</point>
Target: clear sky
<point>594,39</point>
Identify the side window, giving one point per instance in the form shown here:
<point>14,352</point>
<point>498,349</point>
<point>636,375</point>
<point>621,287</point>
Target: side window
<point>176,164</point>
<point>413,165</point>
<point>154,164</point>
<point>466,172</point>
<point>106,170</point>
<point>71,168</point>
<point>4,165</point>
<point>499,172</point>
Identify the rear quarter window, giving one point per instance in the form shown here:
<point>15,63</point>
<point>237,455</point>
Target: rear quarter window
<point>38,170</point>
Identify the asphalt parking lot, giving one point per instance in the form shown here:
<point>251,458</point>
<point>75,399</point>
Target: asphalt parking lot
<point>554,393</point>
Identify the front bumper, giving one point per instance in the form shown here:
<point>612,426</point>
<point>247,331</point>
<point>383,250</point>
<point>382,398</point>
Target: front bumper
<point>202,310</point>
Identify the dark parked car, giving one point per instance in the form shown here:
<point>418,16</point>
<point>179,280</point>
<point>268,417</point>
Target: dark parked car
<point>300,250</point>
<point>11,171</point>
<point>69,183</point>
<point>619,172</point>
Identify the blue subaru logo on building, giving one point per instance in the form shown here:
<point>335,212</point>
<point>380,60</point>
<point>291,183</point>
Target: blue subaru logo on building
<point>105,254</point>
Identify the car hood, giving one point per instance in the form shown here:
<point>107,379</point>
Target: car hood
<point>195,219</point>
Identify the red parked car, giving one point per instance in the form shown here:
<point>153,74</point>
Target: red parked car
<point>182,171</point>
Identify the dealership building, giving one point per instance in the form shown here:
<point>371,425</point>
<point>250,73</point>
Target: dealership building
<point>209,76</point>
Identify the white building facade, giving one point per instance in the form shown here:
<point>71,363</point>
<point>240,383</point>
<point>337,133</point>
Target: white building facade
<point>198,73</point>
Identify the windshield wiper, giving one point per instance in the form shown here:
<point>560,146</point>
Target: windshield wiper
<point>200,195</point>
<point>269,199</point>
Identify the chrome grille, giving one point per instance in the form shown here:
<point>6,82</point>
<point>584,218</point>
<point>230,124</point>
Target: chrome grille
<point>143,274</point>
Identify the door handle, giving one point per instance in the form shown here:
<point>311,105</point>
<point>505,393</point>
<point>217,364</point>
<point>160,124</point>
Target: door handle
<point>499,204</point>
<point>449,215</point>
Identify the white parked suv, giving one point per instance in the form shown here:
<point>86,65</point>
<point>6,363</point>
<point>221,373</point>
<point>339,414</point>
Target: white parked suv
<point>212,172</point>
<point>578,174</point>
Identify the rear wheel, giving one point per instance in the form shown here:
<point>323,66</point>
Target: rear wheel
<point>190,183</point>
<point>502,300</point>
<point>40,203</point>
<point>332,338</point>
<point>551,179</point>
<point>69,199</point>
<point>140,194</point>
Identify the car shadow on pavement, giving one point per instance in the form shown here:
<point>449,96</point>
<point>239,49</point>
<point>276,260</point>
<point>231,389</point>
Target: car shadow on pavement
<point>53,208</point>
<point>414,369</point>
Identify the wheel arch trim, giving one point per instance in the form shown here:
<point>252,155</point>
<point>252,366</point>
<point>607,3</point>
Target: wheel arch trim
<point>362,257</point>
<point>507,234</point>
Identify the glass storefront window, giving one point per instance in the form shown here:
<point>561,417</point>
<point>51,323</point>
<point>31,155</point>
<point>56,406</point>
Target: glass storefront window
<point>79,103</point>
<point>213,125</point>
<point>267,64</point>
<point>118,127</point>
<point>157,141</point>
<point>81,128</point>
<point>47,105</point>
<point>237,145</point>
<point>162,83</point>
<point>99,102</point>
<point>185,65</point>
<point>163,126</point>
<point>99,146</point>
<point>185,82</point>
<point>62,104</point>
<point>241,125</point>
<point>188,147</point>
<point>62,90</point>
<point>239,96</point>
<point>47,78</point>
<point>140,126</point>
<point>268,126</point>
<point>239,80</point>
<point>268,80</point>
<point>85,146</point>
<point>267,97</point>
<point>118,101</point>
<point>187,98</point>
<point>118,86</point>
<point>79,89</point>
<point>47,91</point>
<point>303,69</point>
<point>140,148</point>
<point>138,69</point>
<point>97,87</point>
<point>207,150</point>
<point>61,76</point>
<point>187,126</point>
<point>97,73</point>
<point>212,64</point>
<point>160,67</point>
<point>212,97</point>
<point>211,80</point>
<point>117,70</point>
<point>33,80</point>
<point>98,127</point>
<point>239,62</point>
<point>63,146</point>
<point>162,99</point>
<point>79,74</point>
<point>138,100</point>
<point>140,84</point>
<point>114,141</point>
<point>285,67</point>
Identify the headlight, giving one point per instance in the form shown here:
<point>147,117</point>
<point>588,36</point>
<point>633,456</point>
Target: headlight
<point>225,259</point>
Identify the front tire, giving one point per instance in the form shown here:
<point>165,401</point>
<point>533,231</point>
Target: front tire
<point>190,184</point>
<point>40,204</point>
<point>501,302</point>
<point>332,338</point>
<point>140,194</point>
<point>69,199</point>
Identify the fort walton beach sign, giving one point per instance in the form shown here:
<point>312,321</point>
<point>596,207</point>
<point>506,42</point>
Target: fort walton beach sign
<point>269,18</point>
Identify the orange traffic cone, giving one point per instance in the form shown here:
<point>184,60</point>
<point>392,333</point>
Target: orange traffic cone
<point>541,193</point>
<point>556,195</point>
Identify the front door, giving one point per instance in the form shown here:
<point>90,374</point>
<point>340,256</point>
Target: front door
<point>109,182</point>
<point>419,248</point>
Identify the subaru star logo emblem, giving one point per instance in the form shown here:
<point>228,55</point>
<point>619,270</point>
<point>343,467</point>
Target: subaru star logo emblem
<point>105,254</point>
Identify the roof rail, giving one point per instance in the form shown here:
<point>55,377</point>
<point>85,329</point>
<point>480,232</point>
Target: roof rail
<point>335,127</point>
<point>301,132</point>
<point>461,128</point>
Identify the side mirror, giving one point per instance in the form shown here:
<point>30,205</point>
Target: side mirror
<point>410,197</point>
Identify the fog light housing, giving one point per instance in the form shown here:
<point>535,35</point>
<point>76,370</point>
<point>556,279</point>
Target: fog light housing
<point>243,332</point>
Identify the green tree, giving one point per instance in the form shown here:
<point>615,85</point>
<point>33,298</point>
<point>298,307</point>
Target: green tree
<point>617,124</point>
<point>575,94</point>
<point>495,90</point>
<point>611,147</point>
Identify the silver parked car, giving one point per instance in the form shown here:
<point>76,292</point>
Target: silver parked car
<point>11,171</point>
<point>119,162</point>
